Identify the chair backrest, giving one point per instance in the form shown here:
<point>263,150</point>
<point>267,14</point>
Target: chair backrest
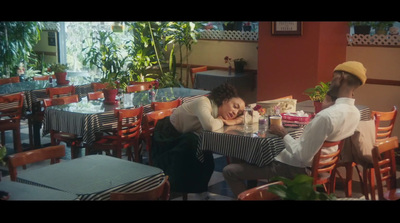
<point>129,123</point>
<point>11,105</point>
<point>43,77</point>
<point>384,123</point>
<point>161,192</point>
<point>54,153</point>
<point>383,158</point>
<point>138,87</point>
<point>153,83</point>
<point>60,91</point>
<point>9,80</point>
<point>194,70</point>
<point>95,95</point>
<point>65,100</point>
<point>166,104</point>
<point>259,193</point>
<point>98,86</point>
<point>150,119</point>
<point>324,165</point>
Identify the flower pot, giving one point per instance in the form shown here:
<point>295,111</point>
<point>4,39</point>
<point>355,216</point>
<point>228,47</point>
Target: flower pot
<point>61,78</point>
<point>239,67</point>
<point>317,106</point>
<point>109,95</point>
<point>362,29</point>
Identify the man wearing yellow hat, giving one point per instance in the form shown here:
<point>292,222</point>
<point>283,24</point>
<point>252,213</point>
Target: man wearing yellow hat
<point>333,123</point>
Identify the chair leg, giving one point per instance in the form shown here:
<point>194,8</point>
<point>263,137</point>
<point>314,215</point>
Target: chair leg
<point>349,179</point>
<point>30,130</point>
<point>184,196</point>
<point>371,179</point>
<point>17,140</point>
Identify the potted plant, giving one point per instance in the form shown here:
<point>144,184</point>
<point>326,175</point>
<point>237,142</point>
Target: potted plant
<point>105,55</point>
<point>317,94</point>
<point>60,71</point>
<point>382,27</point>
<point>361,27</point>
<point>239,65</point>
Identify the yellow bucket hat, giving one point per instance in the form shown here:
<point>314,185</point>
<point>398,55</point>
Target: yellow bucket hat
<point>355,68</point>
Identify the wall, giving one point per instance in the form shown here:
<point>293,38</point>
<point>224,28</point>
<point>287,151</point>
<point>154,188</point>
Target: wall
<point>49,52</point>
<point>290,64</point>
<point>382,63</point>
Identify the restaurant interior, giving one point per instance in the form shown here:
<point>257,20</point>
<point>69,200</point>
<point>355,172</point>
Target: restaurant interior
<point>283,62</point>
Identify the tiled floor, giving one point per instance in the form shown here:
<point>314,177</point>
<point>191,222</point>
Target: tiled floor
<point>218,189</point>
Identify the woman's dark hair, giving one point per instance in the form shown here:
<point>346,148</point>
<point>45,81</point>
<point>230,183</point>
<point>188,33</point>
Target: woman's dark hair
<point>223,92</point>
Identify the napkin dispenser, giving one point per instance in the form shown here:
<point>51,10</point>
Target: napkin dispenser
<point>285,105</point>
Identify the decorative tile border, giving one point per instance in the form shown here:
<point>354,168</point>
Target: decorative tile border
<point>229,35</point>
<point>376,40</point>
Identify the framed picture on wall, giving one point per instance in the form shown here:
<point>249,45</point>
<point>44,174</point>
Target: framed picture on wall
<point>287,28</point>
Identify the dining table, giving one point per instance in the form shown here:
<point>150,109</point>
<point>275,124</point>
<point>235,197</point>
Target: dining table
<point>88,117</point>
<point>26,192</point>
<point>257,146</point>
<point>94,177</point>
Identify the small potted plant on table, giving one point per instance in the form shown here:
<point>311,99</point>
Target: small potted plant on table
<point>317,94</point>
<point>60,71</point>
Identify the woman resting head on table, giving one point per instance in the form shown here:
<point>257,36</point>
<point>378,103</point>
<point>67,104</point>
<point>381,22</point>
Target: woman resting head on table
<point>222,107</point>
<point>174,143</point>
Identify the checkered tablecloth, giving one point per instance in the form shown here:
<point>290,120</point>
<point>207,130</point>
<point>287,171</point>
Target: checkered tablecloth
<point>77,118</point>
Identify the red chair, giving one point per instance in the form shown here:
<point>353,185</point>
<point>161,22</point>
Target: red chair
<point>57,137</point>
<point>44,77</point>
<point>383,157</point>
<point>166,104</point>
<point>54,153</point>
<point>99,86</point>
<point>126,135</point>
<point>138,87</point>
<point>95,95</point>
<point>150,120</point>
<point>60,91</point>
<point>10,117</point>
<point>324,166</point>
<point>195,70</point>
<point>259,193</point>
<point>161,192</point>
<point>9,80</point>
<point>385,124</point>
<point>153,83</point>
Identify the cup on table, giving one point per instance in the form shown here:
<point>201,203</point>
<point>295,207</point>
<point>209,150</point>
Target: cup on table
<point>248,119</point>
<point>275,120</point>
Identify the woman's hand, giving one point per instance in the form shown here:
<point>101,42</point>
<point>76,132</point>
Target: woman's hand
<point>277,130</point>
<point>238,120</point>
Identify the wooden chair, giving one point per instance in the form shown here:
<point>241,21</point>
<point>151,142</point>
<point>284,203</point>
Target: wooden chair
<point>95,95</point>
<point>138,87</point>
<point>166,104</point>
<point>10,118</point>
<point>153,83</point>
<point>9,80</point>
<point>44,77</point>
<point>324,166</point>
<point>193,72</point>
<point>54,153</point>
<point>383,157</point>
<point>385,123</point>
<point>126,135</point>
<point>150,120</point>
<point>161,192</point>
<point>98,86</point>
<point>259,193</point>
<point>72,140</point>
<point>60,91</point>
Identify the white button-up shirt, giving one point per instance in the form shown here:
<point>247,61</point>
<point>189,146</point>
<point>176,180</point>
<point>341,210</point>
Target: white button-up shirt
<point>334,123</point>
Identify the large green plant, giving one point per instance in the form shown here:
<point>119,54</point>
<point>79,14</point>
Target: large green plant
<point>17,40</point>
<point>103,53</point>
<point>185,34</point>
